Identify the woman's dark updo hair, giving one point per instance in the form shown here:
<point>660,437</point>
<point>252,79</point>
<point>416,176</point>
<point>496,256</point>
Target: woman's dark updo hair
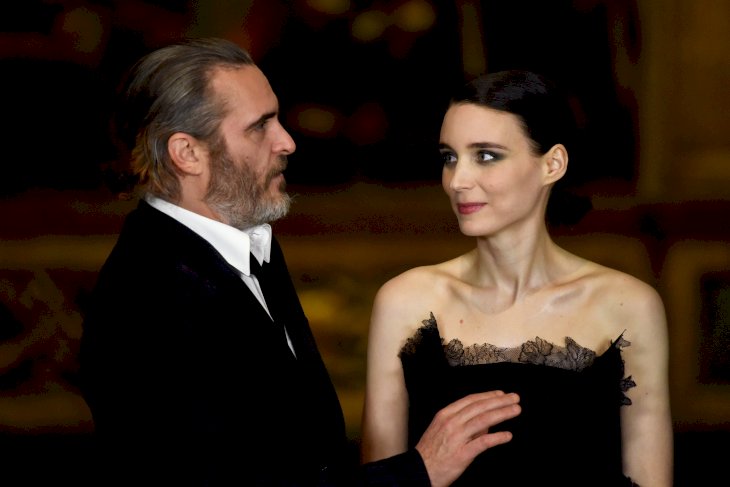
<point>541,109</point>
<point>546,117</point>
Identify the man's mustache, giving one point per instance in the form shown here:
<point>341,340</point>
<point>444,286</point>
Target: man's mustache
<point>281,167</point>
<point>283,163</point>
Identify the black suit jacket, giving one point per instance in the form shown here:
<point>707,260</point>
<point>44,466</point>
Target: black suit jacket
<point>190,383</point>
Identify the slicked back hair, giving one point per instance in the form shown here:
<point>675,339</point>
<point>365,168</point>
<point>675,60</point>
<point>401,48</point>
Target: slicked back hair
<point>542,109</point>
<point>166,92</point>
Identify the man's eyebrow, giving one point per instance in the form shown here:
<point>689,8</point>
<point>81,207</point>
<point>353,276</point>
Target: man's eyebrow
<point>261,119</point>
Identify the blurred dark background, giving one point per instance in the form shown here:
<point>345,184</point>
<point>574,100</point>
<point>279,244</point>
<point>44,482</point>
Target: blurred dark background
<point>362,87</point>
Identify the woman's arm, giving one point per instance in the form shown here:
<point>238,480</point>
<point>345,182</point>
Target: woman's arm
<point>385,413</point>
<point>646,424</point>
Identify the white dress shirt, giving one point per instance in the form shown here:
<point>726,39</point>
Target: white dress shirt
<point>233,244</point>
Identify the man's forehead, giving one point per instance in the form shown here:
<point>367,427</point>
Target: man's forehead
<point>238,79</point>
<point>243,87</point>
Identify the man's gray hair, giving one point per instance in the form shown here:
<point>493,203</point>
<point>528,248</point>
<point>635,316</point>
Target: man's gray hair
<point>169,91</point>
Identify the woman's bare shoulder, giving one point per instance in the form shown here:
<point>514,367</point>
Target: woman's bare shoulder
<point>626,300</point>
<point>622,285</point>
<point>409,297</point>
<point>426,279</point>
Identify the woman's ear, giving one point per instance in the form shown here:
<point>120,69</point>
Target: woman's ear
<point>555,163</point>
<point>187,153</point>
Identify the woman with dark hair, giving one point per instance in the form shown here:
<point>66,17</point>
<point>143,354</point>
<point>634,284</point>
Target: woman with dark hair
<point>584,346</point>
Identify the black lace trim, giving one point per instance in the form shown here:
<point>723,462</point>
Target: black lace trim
<point>572,356</point>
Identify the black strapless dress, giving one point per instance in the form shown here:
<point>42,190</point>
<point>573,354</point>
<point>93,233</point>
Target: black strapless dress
<point>569,431</point>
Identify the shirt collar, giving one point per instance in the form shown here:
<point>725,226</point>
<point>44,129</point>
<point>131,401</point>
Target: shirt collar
<point>233,244</point>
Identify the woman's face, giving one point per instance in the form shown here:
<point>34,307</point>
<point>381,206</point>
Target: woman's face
<point>491,174</point>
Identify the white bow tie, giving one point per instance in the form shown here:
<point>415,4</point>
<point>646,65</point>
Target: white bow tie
<point>260,238</point>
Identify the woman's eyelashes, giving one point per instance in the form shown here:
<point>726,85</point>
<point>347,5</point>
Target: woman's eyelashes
<point>486,156</point>
<point>481,157</point>
<point>448,158</point>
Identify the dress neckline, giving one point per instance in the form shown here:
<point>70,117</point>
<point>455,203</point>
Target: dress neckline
<point>571,356</point>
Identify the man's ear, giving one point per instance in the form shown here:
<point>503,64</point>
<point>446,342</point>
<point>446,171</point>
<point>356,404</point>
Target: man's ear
<point>555,163</point>
<point>187,153</point>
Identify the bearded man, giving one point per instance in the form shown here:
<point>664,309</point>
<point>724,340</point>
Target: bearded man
<point>197,360</point>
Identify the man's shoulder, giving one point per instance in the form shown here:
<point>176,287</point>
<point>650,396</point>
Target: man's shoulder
<point>155,244</point>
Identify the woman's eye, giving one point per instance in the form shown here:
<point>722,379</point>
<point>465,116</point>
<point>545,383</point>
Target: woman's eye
<point>448,158</point>
<point>487,156</point>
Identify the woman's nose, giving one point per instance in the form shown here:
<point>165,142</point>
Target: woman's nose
<point>459,175</point>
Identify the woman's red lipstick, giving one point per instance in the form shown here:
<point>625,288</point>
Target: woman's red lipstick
<point>467,208</point>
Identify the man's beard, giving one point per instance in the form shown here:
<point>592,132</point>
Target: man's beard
<point>235,193</point>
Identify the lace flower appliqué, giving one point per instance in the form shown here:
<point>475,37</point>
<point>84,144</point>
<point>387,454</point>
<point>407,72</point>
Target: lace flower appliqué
<point>572,356</point>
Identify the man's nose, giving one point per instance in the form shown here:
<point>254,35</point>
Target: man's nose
<point>285,143</point>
